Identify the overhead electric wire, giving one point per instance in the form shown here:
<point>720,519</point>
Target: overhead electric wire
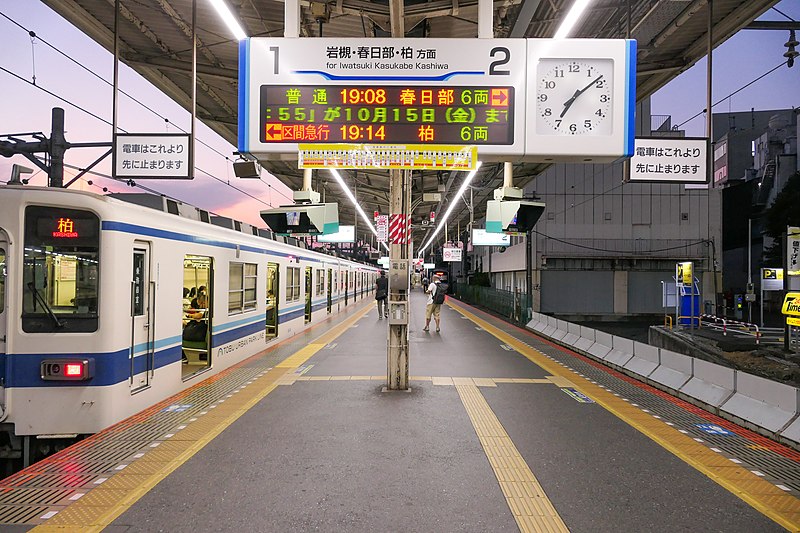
<point>107,122</point>
<point>96,75</point>
<point>743,87</point>
<point>695,243</point>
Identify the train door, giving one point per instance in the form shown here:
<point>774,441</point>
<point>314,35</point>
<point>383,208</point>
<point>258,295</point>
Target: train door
<point>330,290</point>
<point>198,315</point>
<point>273,290</point>
<point>3,314</point>
<point>309,288</point>
<point>142,348</point>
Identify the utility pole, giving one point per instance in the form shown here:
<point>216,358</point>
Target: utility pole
<point>397,349</point>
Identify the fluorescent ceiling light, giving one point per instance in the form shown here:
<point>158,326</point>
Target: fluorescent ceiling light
<point>227,17</point>
<point>571,19</point>
<point>452,206</point>
<point>349,194</point>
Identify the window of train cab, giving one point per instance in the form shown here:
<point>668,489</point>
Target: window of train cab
<point>61,268</point>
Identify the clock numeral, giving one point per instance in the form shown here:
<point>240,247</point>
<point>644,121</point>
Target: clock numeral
<point>600,84</point>
<point>542,97</point>
<point>573,128</point>
<point>599,113</point>
<point>558,123</point>
<point>559,73</point>
<point>549,84</point>
<point>547,112</point>
<point>587,124</point>
<point>604,98</point>
<point>589,72</point>
<point>574,67</point>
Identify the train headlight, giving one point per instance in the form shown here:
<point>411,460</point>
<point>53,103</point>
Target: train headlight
<point>67,369</point>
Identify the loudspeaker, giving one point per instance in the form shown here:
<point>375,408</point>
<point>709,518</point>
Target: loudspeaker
<point>246,169</point>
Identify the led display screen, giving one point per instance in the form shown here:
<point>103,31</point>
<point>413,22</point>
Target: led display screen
<point>476,115</point>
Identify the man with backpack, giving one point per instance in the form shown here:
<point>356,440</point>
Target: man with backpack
<point>436,291</point>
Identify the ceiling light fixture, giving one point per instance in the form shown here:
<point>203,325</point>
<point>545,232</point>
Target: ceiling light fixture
<point>571,19</point>
<point>349,194</point>
<point>227,17</point>
<point>450,207</point>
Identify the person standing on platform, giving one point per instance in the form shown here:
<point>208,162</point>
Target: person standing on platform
<point>435,292</point>
<point>381,294</point>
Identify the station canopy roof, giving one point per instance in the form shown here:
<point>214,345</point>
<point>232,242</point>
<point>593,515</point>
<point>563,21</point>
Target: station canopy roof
<point>155,40</point>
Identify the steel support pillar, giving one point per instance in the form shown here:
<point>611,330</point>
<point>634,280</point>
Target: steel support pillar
<point>399,263</point>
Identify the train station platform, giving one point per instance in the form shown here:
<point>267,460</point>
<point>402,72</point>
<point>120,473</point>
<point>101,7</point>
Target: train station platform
<point>500,431</point>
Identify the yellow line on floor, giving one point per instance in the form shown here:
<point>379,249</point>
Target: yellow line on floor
<point>762,495</point>
<point>528,502</point>
<point>102,505</point>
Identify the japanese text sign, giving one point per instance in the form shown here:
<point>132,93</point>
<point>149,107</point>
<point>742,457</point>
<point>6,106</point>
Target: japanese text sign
<point>156,156</point>
<point>668,159</point>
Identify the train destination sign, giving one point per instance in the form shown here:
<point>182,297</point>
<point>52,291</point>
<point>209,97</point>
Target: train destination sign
<point>382,91</point>
<point>404,114</point>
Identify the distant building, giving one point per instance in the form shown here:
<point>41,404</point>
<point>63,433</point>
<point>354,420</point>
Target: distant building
<point>605,248</point>
<point>754,156</point>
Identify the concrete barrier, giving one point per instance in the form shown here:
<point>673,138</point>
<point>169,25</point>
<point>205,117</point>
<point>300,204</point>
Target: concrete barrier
<point>586,340</point>
<point>573,334</point>
<point>602,344</point>
<point>762,402</point>
<point>792,432</point>
<point>710,383</point>
<point>621,351</point>
<point>768,407</point>
<point>644,361</point>
<point>552,326</point>
<point>674,370</point>
<point>562,327</point>
<point>541,324</point>
<point>536,319</point>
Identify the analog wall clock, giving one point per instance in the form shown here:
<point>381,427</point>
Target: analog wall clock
<point>583,96</point>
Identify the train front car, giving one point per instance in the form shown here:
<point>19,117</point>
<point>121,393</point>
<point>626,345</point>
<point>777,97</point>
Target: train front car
<point>94,326</point>
<point>53,359</point>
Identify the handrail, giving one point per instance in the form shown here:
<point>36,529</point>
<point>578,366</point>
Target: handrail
<point>668,318</point>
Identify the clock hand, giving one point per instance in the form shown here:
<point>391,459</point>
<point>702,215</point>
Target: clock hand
<point>579,92</point>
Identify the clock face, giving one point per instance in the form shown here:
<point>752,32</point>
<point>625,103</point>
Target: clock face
<point>574,96</point>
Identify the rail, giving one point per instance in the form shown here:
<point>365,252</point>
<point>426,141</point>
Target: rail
<point>668,321</point>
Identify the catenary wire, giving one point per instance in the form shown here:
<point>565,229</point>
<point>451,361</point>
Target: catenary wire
<point>96,75</point>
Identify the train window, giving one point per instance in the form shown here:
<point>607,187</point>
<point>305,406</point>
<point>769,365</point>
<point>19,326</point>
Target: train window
<point>292,284</point>
<point>242,287</point>
<point>60,271</point>
<point>320,281</point>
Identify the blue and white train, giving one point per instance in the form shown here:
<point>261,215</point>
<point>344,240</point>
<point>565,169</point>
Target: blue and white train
<point>93,305</point>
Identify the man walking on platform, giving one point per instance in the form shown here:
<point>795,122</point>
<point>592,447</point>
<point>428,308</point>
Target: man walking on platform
<point>436,291</point>
<point>381,293</point>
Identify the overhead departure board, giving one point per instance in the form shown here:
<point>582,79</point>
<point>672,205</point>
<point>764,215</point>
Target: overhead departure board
<point>402,114</point>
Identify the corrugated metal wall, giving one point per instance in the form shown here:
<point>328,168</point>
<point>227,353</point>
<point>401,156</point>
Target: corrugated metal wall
<point>644,291</point>
<point>571,291</point>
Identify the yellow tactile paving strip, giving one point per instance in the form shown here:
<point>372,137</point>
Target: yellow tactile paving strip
<point>760,494</point>
<point>525,497</point>
<point>103,504</point>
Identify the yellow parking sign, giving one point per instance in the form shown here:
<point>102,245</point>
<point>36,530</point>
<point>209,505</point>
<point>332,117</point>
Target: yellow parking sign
<point>683,272</point>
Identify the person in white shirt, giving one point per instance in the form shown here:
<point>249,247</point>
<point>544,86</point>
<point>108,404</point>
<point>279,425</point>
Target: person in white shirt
<point>432,309</point>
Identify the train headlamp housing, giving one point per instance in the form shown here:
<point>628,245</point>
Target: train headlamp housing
<point>67,369</point>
